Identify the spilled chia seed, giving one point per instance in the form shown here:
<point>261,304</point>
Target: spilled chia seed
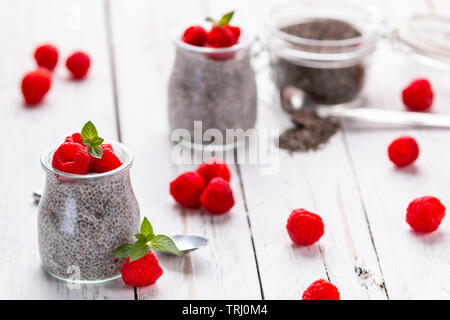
<point>310,132</point>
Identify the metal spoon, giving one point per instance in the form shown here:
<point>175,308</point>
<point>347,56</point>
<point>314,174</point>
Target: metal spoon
<point>297,100</point>
<point>185,242</point>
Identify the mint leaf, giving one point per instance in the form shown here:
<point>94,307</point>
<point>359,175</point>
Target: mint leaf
<point>95,151</point>
<point>142,246</point>
<point>164,243</point>
<point>89,131</point>
<point>139,249</point>
<point>209,19</point>
<point>96,141</point>
<point>91,140</point>
<point>225,19</point>
<point>141,237</point>
<point>146,227</point>
<point>123,251</point>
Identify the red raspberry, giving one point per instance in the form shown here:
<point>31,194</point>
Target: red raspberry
<point>78,64</point>
<point>142,272</point>
<point>403,151</point>
<point>35,85</point>
<point>71,158</point>
<point>304,227</point>
<point>195,35</point>
<point>418,95</point>
<point>321,290</point>
<point>109,160</point>
<point>187,188</point>
<point>221,37</point>
<point>217,197</point>
<point>76,138</point>
<point>46,56</point>
<point>213,168</point>
<point>236,31</point>
<point>425,214</point>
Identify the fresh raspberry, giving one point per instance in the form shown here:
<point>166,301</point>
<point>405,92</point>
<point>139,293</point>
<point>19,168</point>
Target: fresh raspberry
<point>304,227</point>
<point>142,272</point>
<point>195,35</point>
<point>403,151</point>
<point>46,56</point>
<point>35,85</point>
<point>321,290</point>
<point>214,168</point>
<point>236,31</point>
<point>109,160</point>
<point>78,64</point>
<point>217,197</point>
<point>425,214</point>
<point>76,138</point>
<point>71,158</point>
<point>418,95</point>
<point>187,188</point>
<point>221,37</point>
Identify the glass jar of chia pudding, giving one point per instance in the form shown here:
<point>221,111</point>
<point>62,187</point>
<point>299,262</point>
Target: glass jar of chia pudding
<point>211,90</point>
<point>83,218</point>
<point>322,48</point>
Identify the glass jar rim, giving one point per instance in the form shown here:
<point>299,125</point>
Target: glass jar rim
<point>357,46</point>
<point>127,162</point>
<point>245,41</point>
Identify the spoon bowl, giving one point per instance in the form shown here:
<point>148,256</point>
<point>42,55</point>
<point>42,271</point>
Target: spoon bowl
<point>187,243</point>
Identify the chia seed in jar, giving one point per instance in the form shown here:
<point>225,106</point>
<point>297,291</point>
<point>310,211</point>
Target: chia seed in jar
<point>216,88</point>
<point>81,219</point>
<point>322,48</point>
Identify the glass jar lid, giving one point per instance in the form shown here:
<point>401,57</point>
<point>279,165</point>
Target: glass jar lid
<point>427,36</point>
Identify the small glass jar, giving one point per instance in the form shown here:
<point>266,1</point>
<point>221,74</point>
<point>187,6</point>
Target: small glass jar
<point>82,218</point>
<point>322,48</point>
<point>211,89</point>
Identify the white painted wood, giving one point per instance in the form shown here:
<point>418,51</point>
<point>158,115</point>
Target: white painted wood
<point>225,269</point>
<point>350,183</point>
<point>415,266</point>
<point>320,181</point>
<point>28,132</point>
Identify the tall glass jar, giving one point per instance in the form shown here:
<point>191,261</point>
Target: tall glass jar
<point>82,218</point>
<point>322,48</point>
<point>211,90</point>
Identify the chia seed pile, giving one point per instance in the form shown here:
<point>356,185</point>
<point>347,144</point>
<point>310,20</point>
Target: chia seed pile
<point>220,93</point>
<point>325,84</point>
<point>81,222</point>
<point>310,132</point>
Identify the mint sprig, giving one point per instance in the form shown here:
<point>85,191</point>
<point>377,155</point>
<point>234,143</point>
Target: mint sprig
<point>146,240</point>
<point>226,18</point>
<point>91,140</point>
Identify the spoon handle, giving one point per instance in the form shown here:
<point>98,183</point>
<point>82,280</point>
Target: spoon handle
<point>383,116</point>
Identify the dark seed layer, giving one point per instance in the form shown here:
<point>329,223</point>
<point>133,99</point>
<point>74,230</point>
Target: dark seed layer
<point>326,84</point>
<point>310,132</point>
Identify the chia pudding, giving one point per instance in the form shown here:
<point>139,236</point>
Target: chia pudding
<point>82,218</point>
<point>214,86</point>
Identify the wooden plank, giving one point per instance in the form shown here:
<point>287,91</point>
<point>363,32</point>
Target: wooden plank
<point>144,56</point>
<point>320,181</point>
<point>69,104</point>
<point>415,266</point>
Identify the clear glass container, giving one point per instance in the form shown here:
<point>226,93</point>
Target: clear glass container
<point>325,59</point>
<point>82,218</point>
<point>211,90</point>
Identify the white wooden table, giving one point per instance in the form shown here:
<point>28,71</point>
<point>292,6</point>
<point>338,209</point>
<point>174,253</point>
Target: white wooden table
<point>368,250</point>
